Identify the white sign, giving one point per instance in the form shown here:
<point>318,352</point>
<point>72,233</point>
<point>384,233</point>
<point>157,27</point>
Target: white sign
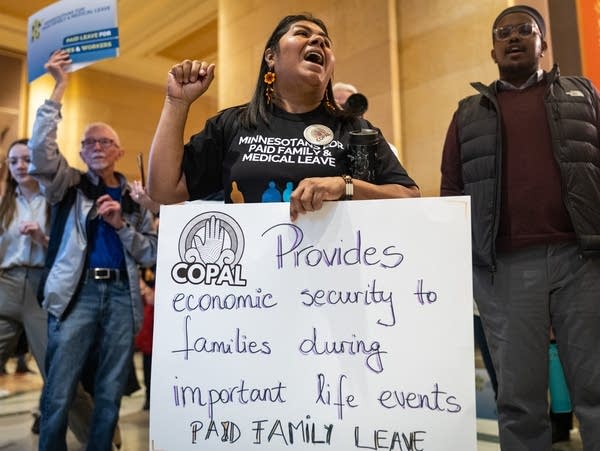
<point>87,29</point>
<point>348,329</point>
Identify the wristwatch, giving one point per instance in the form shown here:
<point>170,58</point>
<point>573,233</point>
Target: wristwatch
<point>349,187</point>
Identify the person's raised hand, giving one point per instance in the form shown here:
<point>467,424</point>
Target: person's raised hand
<point>189,79</point>
<point>140,196</point>
<point>57,65</point>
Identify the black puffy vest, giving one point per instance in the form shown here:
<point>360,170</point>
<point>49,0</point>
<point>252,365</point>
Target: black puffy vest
<point>572,116</point>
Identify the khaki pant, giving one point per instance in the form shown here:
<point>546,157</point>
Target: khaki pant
<point>19,310</point>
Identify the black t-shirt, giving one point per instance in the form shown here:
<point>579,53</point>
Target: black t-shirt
<point>267,163</point>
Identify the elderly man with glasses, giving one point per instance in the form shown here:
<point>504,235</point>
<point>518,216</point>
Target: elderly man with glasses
<point>98,238</point>
<point>527,150</point>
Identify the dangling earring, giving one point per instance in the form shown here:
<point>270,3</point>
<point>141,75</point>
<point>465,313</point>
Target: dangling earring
<point>327,102</point>
<point>269,80</point>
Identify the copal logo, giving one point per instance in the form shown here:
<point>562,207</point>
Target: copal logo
<point>210,247</point>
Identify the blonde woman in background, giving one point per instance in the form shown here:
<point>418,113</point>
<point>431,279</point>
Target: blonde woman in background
<point>24,230</point>
<point>24,227</point>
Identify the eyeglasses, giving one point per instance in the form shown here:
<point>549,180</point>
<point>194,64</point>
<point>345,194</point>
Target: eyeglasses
<point>524,30</point>
<point>90,143</point>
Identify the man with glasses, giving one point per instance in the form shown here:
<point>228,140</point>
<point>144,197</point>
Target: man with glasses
<point>98,238</point>
<point>527,150</point>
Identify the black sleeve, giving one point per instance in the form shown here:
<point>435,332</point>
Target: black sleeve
<point>203,155</point>
<point>597,106</point>
<point>452,182</point>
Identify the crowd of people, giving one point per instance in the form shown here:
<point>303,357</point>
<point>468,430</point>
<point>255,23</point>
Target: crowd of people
<point>80,243</point>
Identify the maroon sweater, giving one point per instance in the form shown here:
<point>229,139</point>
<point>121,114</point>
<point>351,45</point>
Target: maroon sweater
<point>532,210</point>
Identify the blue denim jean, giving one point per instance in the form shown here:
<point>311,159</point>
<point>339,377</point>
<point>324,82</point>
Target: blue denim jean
<point>99,322</point>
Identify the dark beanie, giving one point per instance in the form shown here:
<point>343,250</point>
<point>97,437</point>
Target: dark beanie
<point>534,13</point>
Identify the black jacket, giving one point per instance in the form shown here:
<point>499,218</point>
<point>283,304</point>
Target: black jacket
<point>571,105</point>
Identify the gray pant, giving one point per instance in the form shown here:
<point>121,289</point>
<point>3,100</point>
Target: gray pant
<point>19,310</point>
<point>531,290</point>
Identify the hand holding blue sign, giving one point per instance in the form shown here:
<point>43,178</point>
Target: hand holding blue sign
<point>88,33</point>
<point>57,65</point>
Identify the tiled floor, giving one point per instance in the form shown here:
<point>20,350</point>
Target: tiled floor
<point>21,396</point>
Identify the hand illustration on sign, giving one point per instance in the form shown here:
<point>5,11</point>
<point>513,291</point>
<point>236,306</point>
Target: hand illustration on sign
<point>211,247</point>
<point>209,244</point>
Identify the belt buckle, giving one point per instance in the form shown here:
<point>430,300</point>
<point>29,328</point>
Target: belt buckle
<point>101,273</point>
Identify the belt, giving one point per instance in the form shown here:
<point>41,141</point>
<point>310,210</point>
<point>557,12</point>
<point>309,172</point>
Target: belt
<point>107,274</point>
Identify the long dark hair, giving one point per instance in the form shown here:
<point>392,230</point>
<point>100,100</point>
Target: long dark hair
<point>258,109</point>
